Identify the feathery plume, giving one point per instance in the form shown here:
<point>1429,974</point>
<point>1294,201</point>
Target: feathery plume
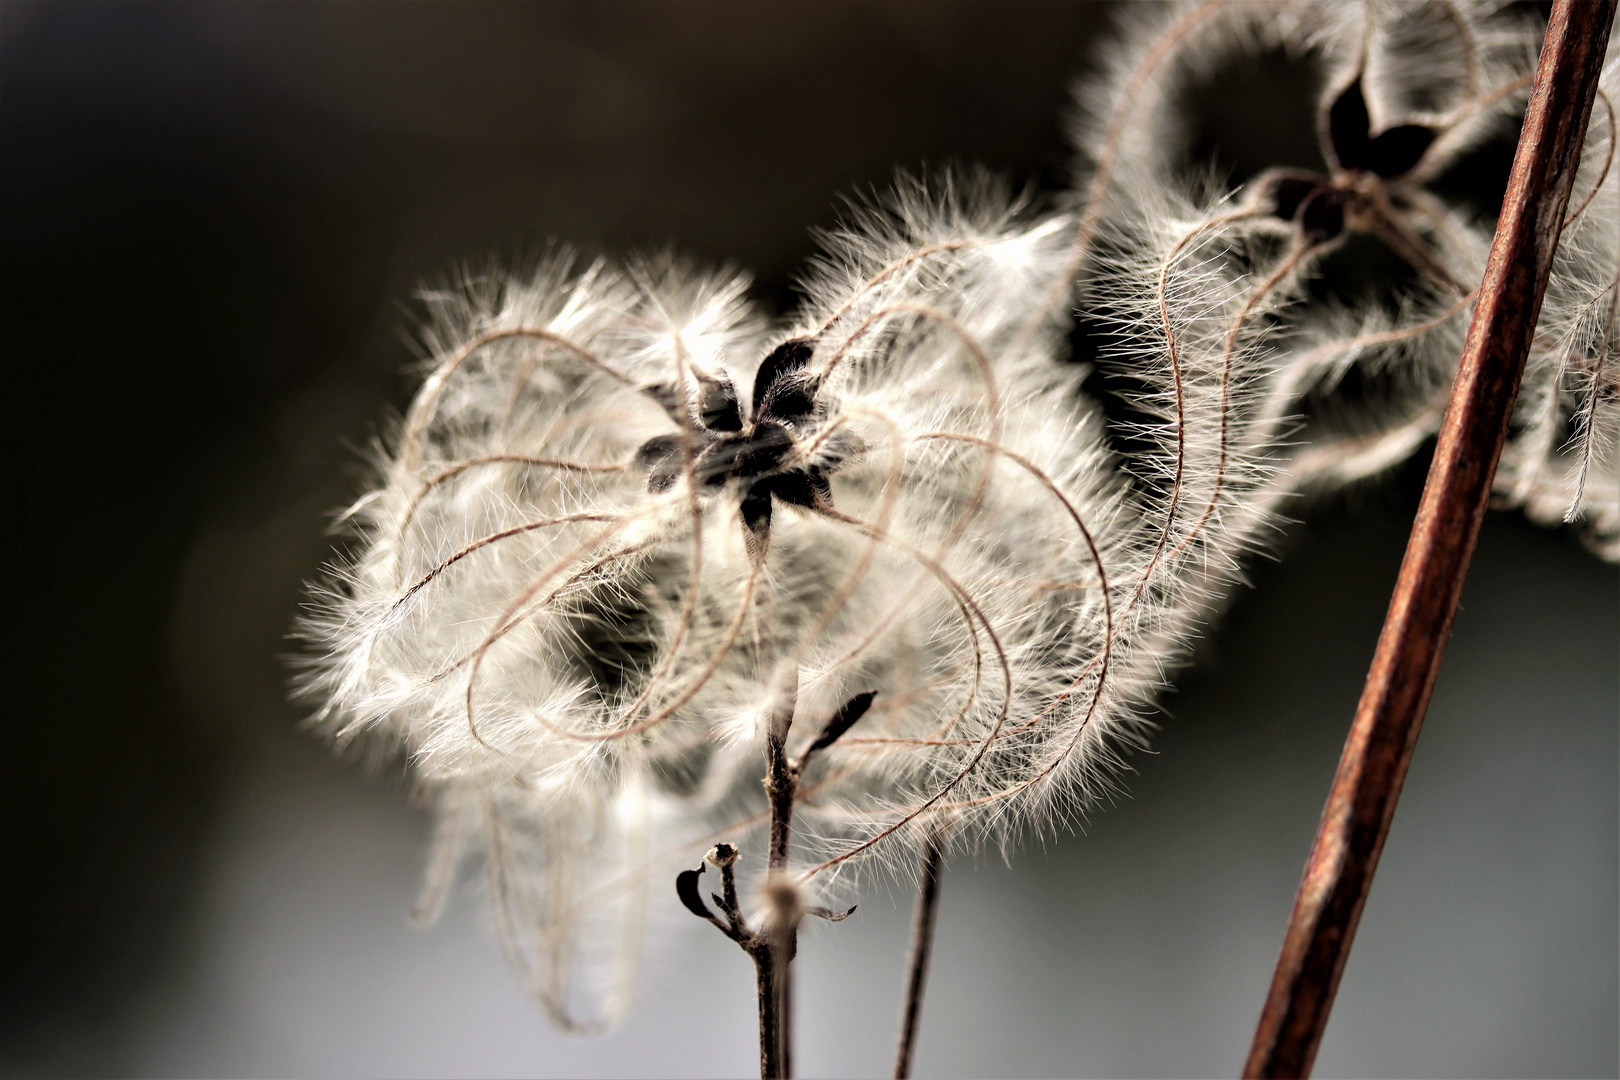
<point>1361,350</point>
<point>1562,461</point>
<point>620,516</point>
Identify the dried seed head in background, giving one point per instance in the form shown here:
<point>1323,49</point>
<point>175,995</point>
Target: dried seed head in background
<point>1362,257</point>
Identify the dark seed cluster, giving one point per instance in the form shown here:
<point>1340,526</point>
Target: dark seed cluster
<point>1317,203</point>
<point>761,452</point>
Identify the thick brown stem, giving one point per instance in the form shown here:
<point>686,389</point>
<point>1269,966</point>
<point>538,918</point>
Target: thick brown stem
<point>1361,803</point>
<point>922,947</point>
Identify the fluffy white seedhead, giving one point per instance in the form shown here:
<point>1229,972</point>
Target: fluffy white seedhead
<point>988,509</point>
<point>1370,275</point>
<point>620,516</point>
<point>516,584</point>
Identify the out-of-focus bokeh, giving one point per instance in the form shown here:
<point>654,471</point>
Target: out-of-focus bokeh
<point>213,218</point>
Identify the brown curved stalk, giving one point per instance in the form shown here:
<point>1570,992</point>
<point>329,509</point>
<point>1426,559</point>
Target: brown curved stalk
<point>845,590</point>
<point>852,580</point>
<point>1381,221</point>
<point>984,744</point>
<point>514,615</point>
<point>722,648</point>
<point>427,401</point>
<point>1608,160</point>
<point>877,279</point>
<point>1261,291</point>
<point>1309,364</point>
<point>1470,46</point>
<point>1362,801</point>
<point>1096,557</point>
<point>1173,353</point>
<point>992,396</point>
<point>953,588</point>
<point>494,538</point>
<point>1103,175</point>
<point>449,472</point>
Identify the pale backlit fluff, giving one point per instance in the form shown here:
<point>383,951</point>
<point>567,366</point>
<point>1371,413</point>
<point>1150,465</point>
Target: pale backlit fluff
<point>1361,273</point>
<point>511,582</point>
<point>1563,462</point>
<point>621,515</point>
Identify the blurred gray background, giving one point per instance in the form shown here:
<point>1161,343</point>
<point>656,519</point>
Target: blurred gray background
<point>213,218</point>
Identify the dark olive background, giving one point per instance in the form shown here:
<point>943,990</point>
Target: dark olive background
<point>213,218</point>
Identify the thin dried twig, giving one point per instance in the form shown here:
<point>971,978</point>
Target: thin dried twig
<point>922,945</point>
<point>774,950</point>
<point>1384,733</point>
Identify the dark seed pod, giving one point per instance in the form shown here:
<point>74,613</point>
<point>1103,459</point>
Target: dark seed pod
<point>1348,126</point>
<point>1398,151</point>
